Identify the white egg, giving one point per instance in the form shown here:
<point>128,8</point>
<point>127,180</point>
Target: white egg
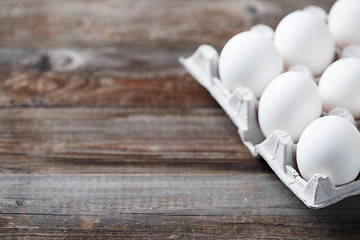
<point>344,22</point>
<point>330,145</point>
<point>250,60</point>
<point>290,102</point>
<point>339,86</point>
<point>303,38</point>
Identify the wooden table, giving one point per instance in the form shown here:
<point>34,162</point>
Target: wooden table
<point>103,134</point>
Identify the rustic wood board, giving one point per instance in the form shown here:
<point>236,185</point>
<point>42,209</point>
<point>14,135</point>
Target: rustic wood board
<point>167,206</point>
<point>104,135</point>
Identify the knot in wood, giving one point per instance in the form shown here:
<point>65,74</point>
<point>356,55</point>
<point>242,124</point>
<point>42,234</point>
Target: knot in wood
<point>64,60</point>
<point>20,202</point>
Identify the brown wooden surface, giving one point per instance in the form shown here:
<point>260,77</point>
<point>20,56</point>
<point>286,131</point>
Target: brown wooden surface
<point>104,135</point>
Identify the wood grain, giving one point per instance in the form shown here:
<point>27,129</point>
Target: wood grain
<point>99,140</point>
<point>167,23</point>
<point>117,53</point>
<point>166,206</point>
<point>104,135</point>
<point>110,76</point>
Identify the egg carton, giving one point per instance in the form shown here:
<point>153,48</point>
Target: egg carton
<point>278,150</point>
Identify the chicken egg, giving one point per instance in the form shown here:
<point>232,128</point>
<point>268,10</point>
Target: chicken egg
<point>330,145</point>
<point>302,37</point>
<point>339,86</point>
<point>250,60</point>
<point>344,22</point>
<point>290,102</point>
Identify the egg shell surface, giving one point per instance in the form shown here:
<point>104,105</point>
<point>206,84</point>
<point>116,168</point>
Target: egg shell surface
<point>344,22</point>
<point>303,38</point>
<point>339,86</point>
<point>251,60</point>
<point>290,102</point>
<point>330,145</point>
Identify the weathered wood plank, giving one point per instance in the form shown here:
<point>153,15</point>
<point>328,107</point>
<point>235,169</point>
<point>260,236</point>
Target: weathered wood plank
<point>117,53</point>
<point>121,140</point>
<point>91,77</point>
<point>95,87</point>
<point>167,23</point>
<point>163,206</point>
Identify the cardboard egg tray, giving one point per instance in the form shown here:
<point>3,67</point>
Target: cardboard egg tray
<point>278,150</point>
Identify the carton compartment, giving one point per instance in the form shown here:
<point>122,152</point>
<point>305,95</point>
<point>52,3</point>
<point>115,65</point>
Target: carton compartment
<point>278,150</point>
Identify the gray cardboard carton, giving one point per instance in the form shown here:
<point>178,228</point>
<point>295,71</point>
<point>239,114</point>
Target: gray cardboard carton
<point>278,150</point>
